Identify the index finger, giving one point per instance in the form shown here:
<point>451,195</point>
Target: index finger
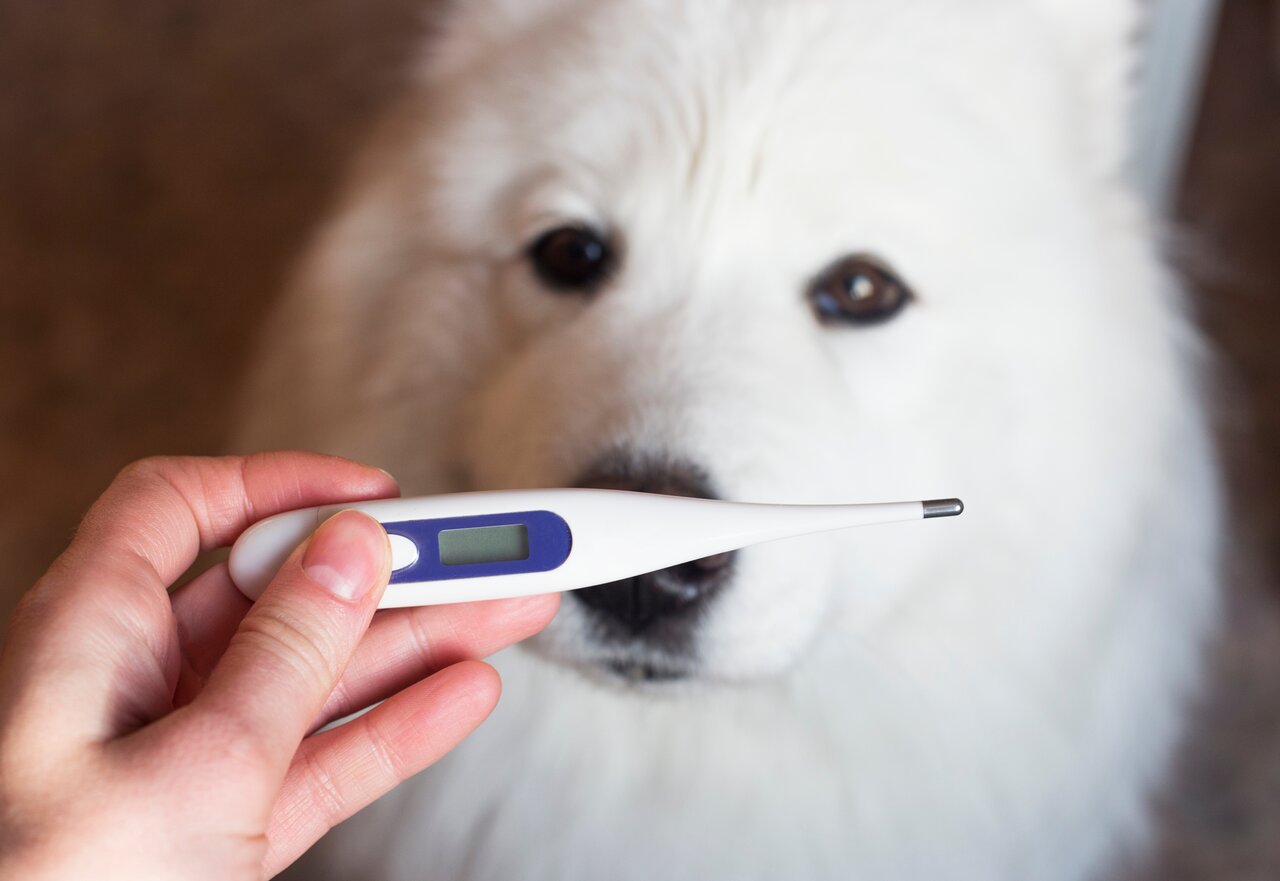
<point>165,510</point>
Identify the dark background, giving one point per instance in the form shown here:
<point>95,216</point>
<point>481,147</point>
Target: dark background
<point>162,161</point>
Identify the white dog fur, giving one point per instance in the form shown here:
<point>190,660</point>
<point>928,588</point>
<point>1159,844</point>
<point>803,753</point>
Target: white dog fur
<point>992,697</point>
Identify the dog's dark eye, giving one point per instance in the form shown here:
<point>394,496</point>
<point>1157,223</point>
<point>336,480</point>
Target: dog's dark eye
<point>571,258</point>
<point>857,290</point>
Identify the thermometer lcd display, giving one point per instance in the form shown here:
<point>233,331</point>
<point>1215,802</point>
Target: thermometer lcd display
<point>484,544</point>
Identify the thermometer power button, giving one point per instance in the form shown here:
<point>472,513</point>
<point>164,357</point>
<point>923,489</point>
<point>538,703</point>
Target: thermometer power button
<point>404,552</point>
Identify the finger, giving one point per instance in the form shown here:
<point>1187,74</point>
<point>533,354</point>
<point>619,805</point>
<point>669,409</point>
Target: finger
<point>207,611</point>
<point>290,649</point>
<point>165,510</point>
<point>403,646</point>
<point>338,772</point>
<point>400,647</point>
<point>147,527</point>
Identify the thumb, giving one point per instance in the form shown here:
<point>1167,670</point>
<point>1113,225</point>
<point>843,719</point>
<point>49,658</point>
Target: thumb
<point>292,646</point>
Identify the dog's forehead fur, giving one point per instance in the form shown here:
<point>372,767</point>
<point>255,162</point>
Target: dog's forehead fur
<point>774,112</point>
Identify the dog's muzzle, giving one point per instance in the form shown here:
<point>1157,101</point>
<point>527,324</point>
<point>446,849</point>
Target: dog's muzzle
<point>658,608</point>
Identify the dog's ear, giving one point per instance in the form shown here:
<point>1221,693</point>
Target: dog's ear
<point>1102,44</point>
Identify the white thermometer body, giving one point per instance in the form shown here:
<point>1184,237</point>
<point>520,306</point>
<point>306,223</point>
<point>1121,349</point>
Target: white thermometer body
<point>487,545</point>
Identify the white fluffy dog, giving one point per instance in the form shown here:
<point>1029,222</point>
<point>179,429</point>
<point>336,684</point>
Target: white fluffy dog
<point>801,251</point>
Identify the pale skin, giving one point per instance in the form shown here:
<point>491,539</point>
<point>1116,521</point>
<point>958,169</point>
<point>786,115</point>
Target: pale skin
<point>146,734</point>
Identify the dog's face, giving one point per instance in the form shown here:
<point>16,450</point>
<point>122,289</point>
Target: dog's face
<point>793,254</point>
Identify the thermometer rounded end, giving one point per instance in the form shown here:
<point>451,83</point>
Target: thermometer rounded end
<point>942,508</point>
<point>259,552</point>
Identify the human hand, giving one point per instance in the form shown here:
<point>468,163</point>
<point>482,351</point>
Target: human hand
<point>148,735</point>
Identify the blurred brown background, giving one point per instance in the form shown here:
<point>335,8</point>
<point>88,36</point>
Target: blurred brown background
<point>162,161</point>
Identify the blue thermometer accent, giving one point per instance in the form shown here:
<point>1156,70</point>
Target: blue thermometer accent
<point>548,535</point>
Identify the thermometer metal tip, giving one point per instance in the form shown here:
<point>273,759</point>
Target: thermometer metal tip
<point>942,508</point>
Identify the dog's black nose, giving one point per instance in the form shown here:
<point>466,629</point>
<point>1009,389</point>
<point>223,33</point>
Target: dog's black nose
<point>669,599</point>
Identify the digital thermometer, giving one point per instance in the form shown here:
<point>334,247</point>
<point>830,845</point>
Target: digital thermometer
<point>486,545</point>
